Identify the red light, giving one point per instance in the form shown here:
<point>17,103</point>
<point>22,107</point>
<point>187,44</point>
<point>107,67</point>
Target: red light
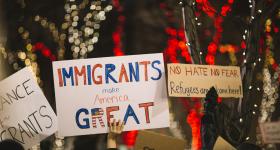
<point>274,66</point>
<point>212,48</point>
<point>46,52</point>
<point>230,1</point>
<point>225,10</point>
<point>121,18</point>
<point>194,120</point>
<point>181,34</point>
<point>210,59</point>
<point>276,30</point>
<point>39,45</point>
<point>116,36</point>
<point>243,45</point>
<point>129,137</point>
<point>219,100</point>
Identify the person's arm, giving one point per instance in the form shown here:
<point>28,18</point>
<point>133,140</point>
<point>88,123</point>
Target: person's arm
<point>115,129</point>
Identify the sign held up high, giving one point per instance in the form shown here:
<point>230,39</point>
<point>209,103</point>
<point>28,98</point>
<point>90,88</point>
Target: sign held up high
<point>187,80</point>
<point>25,114</point>
<point>91,92</point>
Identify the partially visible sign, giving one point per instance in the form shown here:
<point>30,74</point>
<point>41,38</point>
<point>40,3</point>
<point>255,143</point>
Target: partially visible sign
<point>187,80</point>
<point>270,132</point>
<point>147,140</point>
<point>25,114</point>
<point>222,144</point>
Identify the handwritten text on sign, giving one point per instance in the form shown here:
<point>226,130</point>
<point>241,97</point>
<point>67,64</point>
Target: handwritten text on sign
<point>186,80</point>
<point>270,132</point>
<point>25,114</point>
<point>91,92</point>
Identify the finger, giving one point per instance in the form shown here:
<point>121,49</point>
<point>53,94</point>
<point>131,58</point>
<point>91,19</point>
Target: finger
<point>119,125</point>
<point>110,126</point>
<point>108,123</point>
<point>122,126</point>
<point>114,125</point>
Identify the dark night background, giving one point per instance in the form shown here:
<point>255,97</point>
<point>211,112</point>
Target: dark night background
<point>144,32</point>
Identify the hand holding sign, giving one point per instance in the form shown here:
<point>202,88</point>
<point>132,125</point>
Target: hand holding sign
<point>115,129</point>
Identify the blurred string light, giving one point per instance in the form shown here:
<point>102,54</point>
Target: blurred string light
<point>270,95</point>
<point>270,82</point>
<point>3,51</point>
<point>231,50</point>
<point>58,37</point>
<point>176,42</point>
<point>206,7</point>
<point>217,17</point>
<point>245,39</point>
<point>82,32</point>
<point>254,13</point>
<point>10,56</point>
<point>243,45</point>
<point>44,50</point>
<point>185,38</point>
<point>27,57</point>
<point>118,33</point>
<point>252,5</point>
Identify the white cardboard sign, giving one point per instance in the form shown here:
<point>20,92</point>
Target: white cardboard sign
<point>25,114</point>
<point>270,132</point>
<point>91,92</point>
<point>187,80</point>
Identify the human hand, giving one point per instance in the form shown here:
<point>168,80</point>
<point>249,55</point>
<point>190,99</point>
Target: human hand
<point>115,129</point>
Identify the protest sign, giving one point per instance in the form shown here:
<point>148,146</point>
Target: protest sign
<point>91,92</point>
<point>187,80</point>
<point>270,132</point>
<point>147,140</point>
<point>222,144</point>
<point>25,114</point>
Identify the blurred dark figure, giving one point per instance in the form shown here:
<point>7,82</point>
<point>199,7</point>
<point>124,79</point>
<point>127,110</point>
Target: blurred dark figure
<point>10,145</point>
<point>248,146</point>
<point>209,122</point>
